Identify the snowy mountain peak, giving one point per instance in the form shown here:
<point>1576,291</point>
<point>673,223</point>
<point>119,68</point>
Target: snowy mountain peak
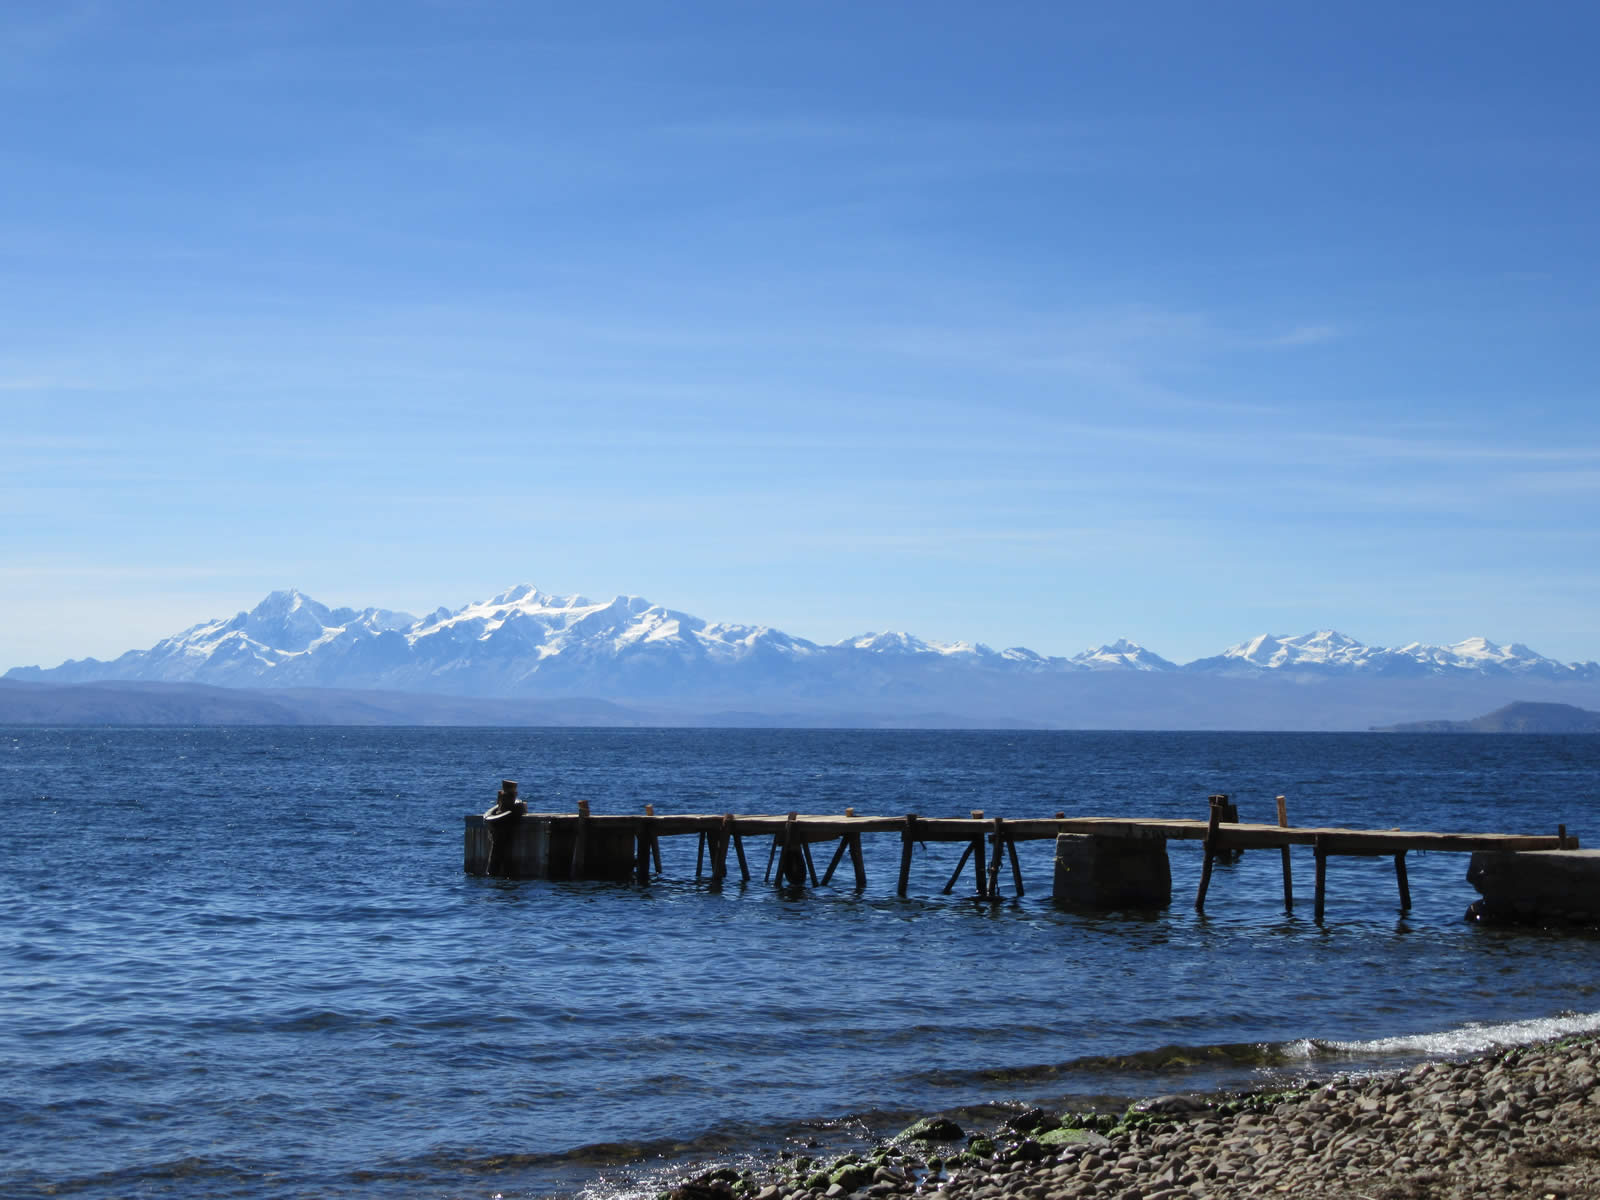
<point>1122,655</point>
<point>525,642</point>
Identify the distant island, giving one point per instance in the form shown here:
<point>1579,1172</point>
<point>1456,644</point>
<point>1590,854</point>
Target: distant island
<point>1522,716</point>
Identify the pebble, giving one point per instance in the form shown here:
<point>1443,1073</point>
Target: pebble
<point>1522,1123</point>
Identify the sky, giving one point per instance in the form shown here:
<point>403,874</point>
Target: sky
<point>1024,324</point>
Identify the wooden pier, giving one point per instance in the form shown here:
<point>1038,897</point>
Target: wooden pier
<point>1101,862</point>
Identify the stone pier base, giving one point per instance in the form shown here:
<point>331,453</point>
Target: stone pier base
<point>1112,872</point>
<point>1537,885</point>
<point>543,849</point>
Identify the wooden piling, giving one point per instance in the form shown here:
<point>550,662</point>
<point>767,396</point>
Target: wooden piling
<point>908,838</point>
<point>1320,848</point>
<point>738,846</point>
<point>1016,867</point>
<point>580,839</point>
<point>642,853</point>
<point>719,853</point>
<point>994,862</point>
<point>1400,878</point>
<point>1288,877</point>
<point>857,861</point>
<point>1210,855</point>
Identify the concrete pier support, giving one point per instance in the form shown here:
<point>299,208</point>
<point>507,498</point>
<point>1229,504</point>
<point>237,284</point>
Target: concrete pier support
<point>1536,885</point>
<point>1099,872</point>
<point>542,848</point>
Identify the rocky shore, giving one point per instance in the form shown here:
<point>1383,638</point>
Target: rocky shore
<point>1519,1123</point>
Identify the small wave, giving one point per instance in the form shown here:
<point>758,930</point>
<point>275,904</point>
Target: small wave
<point>1472,1038</point>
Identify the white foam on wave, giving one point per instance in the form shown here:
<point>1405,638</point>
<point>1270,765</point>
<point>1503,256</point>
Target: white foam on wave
<point>1472,1038</point>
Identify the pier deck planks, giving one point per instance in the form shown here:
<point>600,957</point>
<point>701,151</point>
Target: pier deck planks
<point>1233,836</point>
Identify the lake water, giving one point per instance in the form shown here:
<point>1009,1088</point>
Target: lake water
<point>246,962</point>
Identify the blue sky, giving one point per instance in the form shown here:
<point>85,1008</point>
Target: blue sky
<point>1030,324</point>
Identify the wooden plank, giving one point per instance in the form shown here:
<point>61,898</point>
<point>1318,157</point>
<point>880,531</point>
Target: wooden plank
<point>1336,841</point>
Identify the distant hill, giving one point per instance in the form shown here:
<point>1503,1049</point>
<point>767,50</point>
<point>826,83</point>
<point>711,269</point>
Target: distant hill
<point>1522,716</point>
<point>139,703</point>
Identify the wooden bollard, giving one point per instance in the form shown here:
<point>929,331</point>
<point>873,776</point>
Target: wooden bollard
<point>1288,877</point>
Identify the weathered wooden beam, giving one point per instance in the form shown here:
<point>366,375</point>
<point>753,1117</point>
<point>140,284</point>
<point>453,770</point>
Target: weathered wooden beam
<point>833,863</point>
<point>1405,884</point>
<point>961,866</point>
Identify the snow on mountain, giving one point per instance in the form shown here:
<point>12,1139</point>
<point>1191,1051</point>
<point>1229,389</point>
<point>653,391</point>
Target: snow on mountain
<point>1328,652</point>
<point>1122,655</point>
<point>527,642</point>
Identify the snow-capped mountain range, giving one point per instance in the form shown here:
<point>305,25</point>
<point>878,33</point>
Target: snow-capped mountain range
<point>528,643</point>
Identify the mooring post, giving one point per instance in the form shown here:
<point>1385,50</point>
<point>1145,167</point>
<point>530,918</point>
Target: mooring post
<point>908,838</point>
<point>1400,878</point>
<point>1320,846</point>
<point>1211,854</point>
<point>1288,878</point>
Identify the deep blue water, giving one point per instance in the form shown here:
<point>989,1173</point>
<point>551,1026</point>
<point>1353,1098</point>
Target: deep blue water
<point>242,962</point>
